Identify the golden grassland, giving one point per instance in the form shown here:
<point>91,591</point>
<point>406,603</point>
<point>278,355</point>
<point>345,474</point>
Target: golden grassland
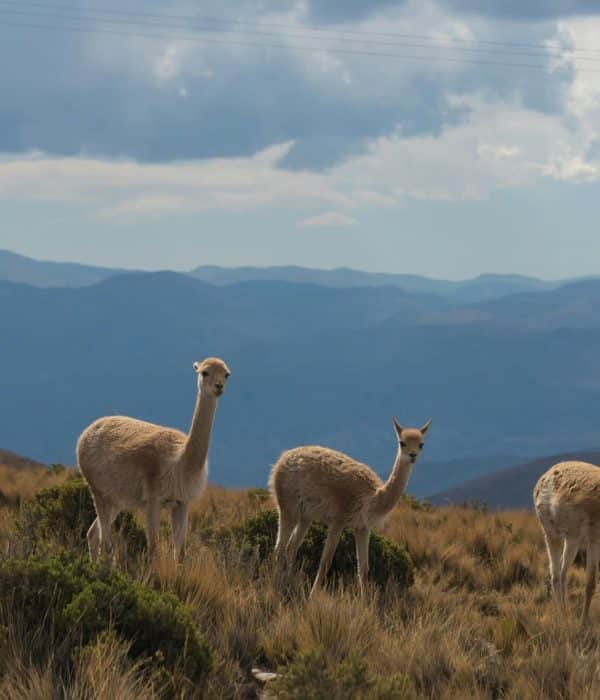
<point>478,622</point>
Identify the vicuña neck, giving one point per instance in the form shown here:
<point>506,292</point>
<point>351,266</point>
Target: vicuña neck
<point>198,439</point>
<point>389,494</point>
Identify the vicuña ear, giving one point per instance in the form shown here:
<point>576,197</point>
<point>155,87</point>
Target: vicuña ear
<point>196,366</point>
<point>397,426</point>
<point>425,428</point>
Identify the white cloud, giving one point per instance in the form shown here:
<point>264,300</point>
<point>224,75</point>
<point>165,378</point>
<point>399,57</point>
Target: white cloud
<point>497,145</point>
<point>127,188</point>
<point>330,219</point>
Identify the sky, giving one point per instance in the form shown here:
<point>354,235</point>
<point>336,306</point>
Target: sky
<point>440,137</point>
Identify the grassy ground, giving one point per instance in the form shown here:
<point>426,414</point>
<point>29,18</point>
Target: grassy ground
<point>478,623</point>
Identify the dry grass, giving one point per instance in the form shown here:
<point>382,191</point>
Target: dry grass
<point>478,622</point>
<point>102,672</point>
<point>18,483</point>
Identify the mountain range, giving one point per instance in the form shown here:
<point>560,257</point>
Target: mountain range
<point>19,268</point>
<point>505,379</point>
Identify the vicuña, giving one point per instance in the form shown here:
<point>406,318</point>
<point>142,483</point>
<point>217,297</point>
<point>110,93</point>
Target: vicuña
<point>567,504</point>
<point>130,464</point>
<point>318,484</point>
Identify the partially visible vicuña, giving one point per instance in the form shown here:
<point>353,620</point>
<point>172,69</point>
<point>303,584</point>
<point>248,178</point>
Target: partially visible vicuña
<point>567,503</point>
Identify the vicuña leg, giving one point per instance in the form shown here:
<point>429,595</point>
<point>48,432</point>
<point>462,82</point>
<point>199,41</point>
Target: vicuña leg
<point>284,531</point>
<point>106,513</point>
<point>152,526</point>
<point>93,539</point>
<point>179,525</point>
<point>362,557</point>
<point>554,545</point>
<point>590,580</point>
<point>293,545</point>
<point>570,549</point>
<point>333,537</point>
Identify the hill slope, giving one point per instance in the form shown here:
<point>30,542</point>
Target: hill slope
<point>41,273</point>
<point>512,487</point>
<point>15,461</point>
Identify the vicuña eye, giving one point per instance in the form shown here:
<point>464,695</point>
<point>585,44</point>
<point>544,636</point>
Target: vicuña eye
<point>402,444</point>
<point>204,373</point>
<point>422,445</point>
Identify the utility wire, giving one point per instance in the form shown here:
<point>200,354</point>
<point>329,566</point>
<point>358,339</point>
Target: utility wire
<point>145,23</point>
<point>291,47</point>
<point>161,17</point>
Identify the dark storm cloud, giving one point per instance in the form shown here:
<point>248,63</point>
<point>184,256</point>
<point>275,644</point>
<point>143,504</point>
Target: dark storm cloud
<point>60,97</point>
<point>526,9</point>
<point>341,11</point>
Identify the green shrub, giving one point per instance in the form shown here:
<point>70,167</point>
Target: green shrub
<point>388,562</point>
<point>416,503</point>
<point>64,514</point>
<point>65,602</point>
<point>312,677</point>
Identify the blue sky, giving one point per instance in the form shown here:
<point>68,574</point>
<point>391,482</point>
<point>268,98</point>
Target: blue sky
<point>183,149</point>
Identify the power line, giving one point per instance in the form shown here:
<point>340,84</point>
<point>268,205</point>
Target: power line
<point>161,17</point>
<point>144,23</point>
<point>292,47</point>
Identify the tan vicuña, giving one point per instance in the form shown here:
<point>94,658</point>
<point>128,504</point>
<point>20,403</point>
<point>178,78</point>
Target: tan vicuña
<point>131,464</point>
<point>567,504</point>
<point>318,484</point>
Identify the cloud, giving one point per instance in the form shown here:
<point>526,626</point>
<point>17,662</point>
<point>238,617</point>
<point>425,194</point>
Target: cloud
<point>330,219</point>
<point>531,9</point>
<point>484,140</point>
<point>340,11</point>
<point>128,189</point>
<point>119,96</point>
<point>498,146</point>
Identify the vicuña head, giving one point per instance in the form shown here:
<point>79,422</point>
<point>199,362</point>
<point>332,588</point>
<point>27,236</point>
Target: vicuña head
<point>411,440</point>
<point>213,374</point>
<point>315,483</point>
<point>130,464</point>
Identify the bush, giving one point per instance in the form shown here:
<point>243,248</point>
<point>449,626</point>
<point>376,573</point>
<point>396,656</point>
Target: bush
<point>310,677</point>
<point>64,514</point>
<point>388,562</point>
<point>65,602</point>
<point>416,503</point>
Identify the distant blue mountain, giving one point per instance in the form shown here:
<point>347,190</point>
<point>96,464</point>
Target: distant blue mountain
<point>477,289</point>
<point>311,364</point>
<point>18,268</point>
<point>40,273</point>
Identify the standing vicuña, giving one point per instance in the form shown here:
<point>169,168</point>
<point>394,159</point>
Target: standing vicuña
<point>316,483</point>
<point>567,504</point>
<point>129,464</point>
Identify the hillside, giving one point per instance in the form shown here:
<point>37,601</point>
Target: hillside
<point>574,305</point>
<point>477,618</point>
<point>15,461</point>
<point>42,273</point>
<point>509,488</point>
